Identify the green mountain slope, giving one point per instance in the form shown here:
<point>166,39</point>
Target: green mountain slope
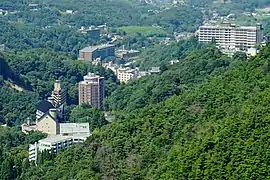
<point>218,130</point>
<point>15,106</point>
<point>8,74</point>
<point>193,69</point>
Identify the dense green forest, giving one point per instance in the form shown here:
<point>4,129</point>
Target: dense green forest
<point>218,129</point>
<point>7,74</point>
<point>20,37</point>
<point>159,55</point>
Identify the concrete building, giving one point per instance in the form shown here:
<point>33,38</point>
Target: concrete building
<point>92,52</point>
<point>154,70</point>
<point>125,74</point>
<point>110,65</point>
<point>74,128</point>
<point>33,151</point>
<point>54,143</point>
<point>91,90</point>
<point>69,11</point>
<point>93,32</point>
<point>232,37</point>
<point>127,53</point>
<point>59,94</point>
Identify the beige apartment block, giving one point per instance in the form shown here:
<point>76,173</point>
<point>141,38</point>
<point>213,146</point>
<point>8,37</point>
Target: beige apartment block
<point>91,90</point>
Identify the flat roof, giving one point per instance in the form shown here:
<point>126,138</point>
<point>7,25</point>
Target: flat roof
<point>54,139</point>
<point>81,135</point>
<point>230,27</point>
<point>74,128</point>
<point>51,139</point>
<point>94,48</point>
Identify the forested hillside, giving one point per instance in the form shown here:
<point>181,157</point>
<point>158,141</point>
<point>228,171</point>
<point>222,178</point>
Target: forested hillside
<point>193,69</point>
<point>159,55</point>
<point>216,130</point>
<point>6,73</point>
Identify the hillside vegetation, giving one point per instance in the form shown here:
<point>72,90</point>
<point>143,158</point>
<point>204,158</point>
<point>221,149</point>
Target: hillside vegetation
<point>193,69</point>
<point>216,130</point>
<point>144,30</point>
<point>161,54</point>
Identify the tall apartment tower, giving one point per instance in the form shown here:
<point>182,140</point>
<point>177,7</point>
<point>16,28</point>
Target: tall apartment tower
<point>59,94</point>
<point>91,90</point>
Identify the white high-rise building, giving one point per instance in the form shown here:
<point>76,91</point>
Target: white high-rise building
<point>230,36</point>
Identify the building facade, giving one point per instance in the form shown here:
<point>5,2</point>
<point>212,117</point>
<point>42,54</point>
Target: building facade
<point>59,94</point>
<point>94,33</point>
<point>74,128</point>
<point>230,36</point>
<point>91,91</point>
<point>127,53</point>
<point>93,52</point>
<point>48,123</point>
<point>54,143</point>
<point>69,133</point>
<point>125,74</point>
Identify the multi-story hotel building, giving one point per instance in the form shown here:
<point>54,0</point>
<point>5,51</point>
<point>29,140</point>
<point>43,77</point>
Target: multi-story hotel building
<point>230,36</point>
<point>125,74</point>
<point>93,52</point>
<point>91,90</point>
<point>59,94</point>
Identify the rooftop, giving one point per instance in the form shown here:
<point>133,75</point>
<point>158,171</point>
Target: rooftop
<point>54,139</point>
<point>94,48</point>
<point>126,70</point>
<point>231,26</point>
<point>44,106</point>
<point>74,128</point>
<point>51,139</point>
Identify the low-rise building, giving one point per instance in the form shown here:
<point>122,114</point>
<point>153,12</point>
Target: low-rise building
<point>172,62</point>
<point>125,74</point>
<point>69,11</point>
<point>154,70</point>
<point>92,31</point>
<point>110,65</point>
<point>127,53</point>
<point>74,128</point>
<point>92,52</point>
<point>54,143</point>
